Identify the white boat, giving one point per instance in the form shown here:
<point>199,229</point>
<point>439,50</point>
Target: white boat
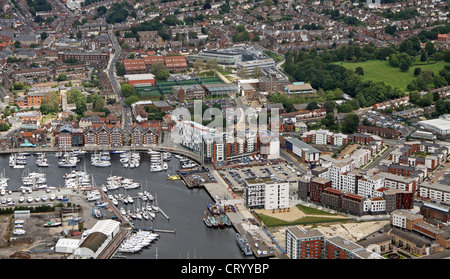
<point>30,198</point>
<point>155,168</point>
<point>145,215</point>
<point>101,204</point>
<point>165,166</point>
<point>21,199</point>
<point>44,198</point>
<point>37,199</point>
<point>130,199</point>
<point>93,197</point>
<point>52,197</point>
<point>132,185</point>
<point>122,211</point>
<point>19,232</point>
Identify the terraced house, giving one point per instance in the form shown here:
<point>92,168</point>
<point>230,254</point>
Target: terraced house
<point>103,135</point>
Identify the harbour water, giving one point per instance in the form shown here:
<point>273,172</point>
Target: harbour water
<point>185,207</point>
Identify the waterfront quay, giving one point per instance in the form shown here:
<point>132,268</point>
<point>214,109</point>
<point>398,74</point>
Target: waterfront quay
<point>242,220</point>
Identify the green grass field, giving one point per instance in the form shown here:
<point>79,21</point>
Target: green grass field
<point>381,71</point>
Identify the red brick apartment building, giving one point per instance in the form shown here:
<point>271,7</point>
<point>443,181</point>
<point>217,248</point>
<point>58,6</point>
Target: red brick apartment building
<point>382,132</point>
<point>103,135</point>
<point>317,186</point>
<point>143,134</point>
<point>144,65</point>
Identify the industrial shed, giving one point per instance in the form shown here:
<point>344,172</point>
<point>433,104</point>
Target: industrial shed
<point>67,245</point>
<point>96,239</point>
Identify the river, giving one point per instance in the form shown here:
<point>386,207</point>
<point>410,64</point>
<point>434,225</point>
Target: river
<point>185,207</point>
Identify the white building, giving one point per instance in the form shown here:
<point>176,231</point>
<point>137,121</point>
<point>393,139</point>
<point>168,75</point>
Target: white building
<point>375,205</point>
<point>276,195</point>
<point>339,139</point>
<point>361,157</point>
<point>440,126</point>
<point>67,245</point>
<point>74,4</point>
<point>336,172</point>
<point>367,187</point>
<point>437,191</point>
<point>266,193</point>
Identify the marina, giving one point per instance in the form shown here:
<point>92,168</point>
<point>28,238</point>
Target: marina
<point>178,220</point>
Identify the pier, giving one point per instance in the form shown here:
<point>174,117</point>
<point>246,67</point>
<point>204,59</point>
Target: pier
<point>163,213</point>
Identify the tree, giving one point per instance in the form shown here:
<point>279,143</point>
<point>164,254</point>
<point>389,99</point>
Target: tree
<point>257,72</point>
<point>120,69</point>
<point>312,106</point>
<point>127,90</point>
<point>429,48</point>
<point>132,99</point>
<point>62,77</point>
<point>212,65</point>
<point>359,71</point>
<point>417,71</point>
<point>423,56</point>
<point>44,35</point>
<point>51,102</point>
<point>350,123</point>
<point>4,127</point>
<point>198,65</point>
<point>404,67</point>
<point>79,34</point>
<point>101,10</point>
<point>393,60</point>
<point>158,67</point>
<point>74,95</point>
<point>17,44</point>
<point>162,75</point>
<point>99,104</point>
<point>389,29</point>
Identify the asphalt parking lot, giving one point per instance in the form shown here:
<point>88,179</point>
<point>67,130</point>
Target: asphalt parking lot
<point>236,177</point>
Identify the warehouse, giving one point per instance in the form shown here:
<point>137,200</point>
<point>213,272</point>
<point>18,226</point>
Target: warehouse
<point>439,126</point>
<point>67,245</point>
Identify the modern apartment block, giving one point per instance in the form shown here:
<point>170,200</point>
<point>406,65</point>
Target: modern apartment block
<point>266,193</point>
<point>405,219</point>
<point>304,244</point>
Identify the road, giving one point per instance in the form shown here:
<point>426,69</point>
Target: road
<point>126,110</point>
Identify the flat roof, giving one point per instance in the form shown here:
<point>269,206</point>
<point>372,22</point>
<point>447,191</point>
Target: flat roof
<point>302,145</point>
<point>139,76</point>
<point>441,124</point>
<point>300,233</point>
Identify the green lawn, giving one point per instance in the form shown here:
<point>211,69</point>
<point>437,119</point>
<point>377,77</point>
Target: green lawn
<point>312,211</point>
<point>378,71</point>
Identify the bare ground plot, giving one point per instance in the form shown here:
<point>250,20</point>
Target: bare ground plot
<point>348,150</point>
